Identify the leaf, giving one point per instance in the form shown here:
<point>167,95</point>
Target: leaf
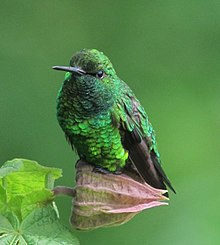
<point>25,185</point>
<point>10,167</point>
<point>9,225</point>
<point>28,214</point>
<point>3,205</point>
<point>35,199</point>
<point>41,226</point>
<point>30,176</point>
<point>23,205</point>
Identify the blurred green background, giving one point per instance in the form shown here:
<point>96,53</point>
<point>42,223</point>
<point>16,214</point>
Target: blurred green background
<point>169,53</point>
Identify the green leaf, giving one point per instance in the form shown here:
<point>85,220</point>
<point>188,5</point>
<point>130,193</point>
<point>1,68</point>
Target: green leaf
<point>41,226</point>
<point>9,226</point>
<point>23,205</point>
<point>28,214</point>
<point>30,176</point>
<point>34,200</point>
<point>3,204</point>
<point>25,185</point>
<point>10,167</point>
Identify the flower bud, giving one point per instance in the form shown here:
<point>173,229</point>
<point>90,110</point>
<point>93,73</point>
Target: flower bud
<point>108,199</point>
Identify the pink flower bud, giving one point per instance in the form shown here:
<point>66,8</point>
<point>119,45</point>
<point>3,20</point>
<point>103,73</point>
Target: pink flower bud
<point>103,200</point>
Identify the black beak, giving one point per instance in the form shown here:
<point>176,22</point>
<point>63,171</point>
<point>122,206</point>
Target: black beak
<point>72,69</point>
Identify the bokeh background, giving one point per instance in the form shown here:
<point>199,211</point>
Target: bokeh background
<point>169,53</point>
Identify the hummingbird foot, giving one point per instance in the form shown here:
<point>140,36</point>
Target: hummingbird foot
<point>98,169</point>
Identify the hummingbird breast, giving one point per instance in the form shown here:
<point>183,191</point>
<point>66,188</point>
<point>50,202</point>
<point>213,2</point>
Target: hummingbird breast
<point>97,141</point>
<point>90,130</point>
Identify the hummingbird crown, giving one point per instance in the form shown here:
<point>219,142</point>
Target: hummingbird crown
<point>93,62</point>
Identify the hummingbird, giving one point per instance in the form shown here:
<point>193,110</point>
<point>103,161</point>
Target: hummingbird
<point>104,121</point>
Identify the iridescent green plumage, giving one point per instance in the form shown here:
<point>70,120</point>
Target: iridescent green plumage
<point>104,121</point>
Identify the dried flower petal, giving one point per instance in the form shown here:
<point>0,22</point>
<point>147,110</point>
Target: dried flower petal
<point>103,200</point>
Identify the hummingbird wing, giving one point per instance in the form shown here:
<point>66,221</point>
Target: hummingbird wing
<point>138,138</point>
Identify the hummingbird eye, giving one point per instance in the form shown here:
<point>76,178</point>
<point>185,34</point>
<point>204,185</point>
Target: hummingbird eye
<point>100,74</point>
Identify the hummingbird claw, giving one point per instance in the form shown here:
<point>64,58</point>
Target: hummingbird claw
<point>97,169</point>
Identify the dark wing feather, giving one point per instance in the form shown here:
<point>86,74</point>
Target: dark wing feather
<point>139,139</point>
<point>140,156</point>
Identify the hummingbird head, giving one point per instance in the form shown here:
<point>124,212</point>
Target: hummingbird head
<point>90,62</point>
<point>92,79</point>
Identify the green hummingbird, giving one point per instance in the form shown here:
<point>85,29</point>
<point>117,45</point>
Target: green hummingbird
<point>104,121</point>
